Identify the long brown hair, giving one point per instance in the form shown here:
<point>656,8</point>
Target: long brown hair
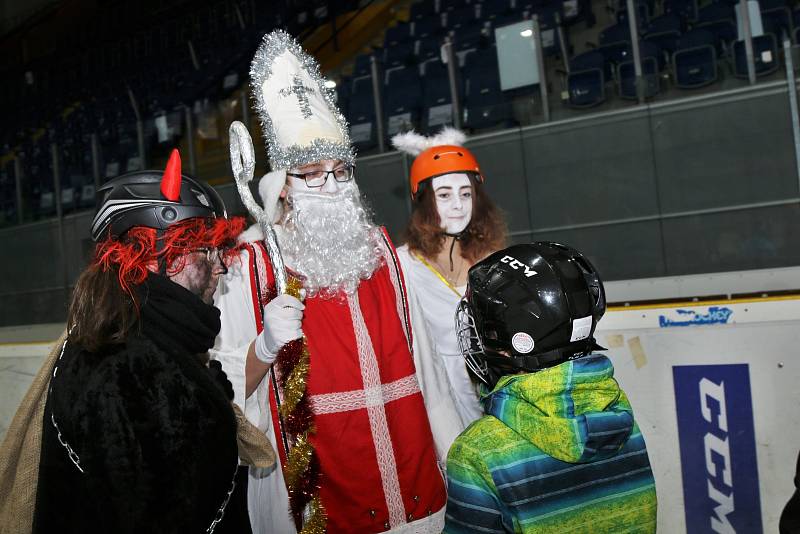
<point>485,233</point>
<point>101,312</point>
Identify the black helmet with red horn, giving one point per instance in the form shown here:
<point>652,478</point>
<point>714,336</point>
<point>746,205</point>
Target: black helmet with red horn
<point>153,199</point>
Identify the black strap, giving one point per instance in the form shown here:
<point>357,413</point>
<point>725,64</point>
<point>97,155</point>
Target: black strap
<point>455,237</point>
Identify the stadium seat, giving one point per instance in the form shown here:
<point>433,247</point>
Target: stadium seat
<point>586,80</point>
<point>777,21</point>
<point>492,9</point>
<point>427,27</point>
<point>652,63</point>
<point>437,100</point>
<point>765,56</point>
<point>450,5</point>
<point>485,104</point>
<point>664,32</point>
<point>685,9</point>
<point>421,10</point>
<point>614,42</point>
<point>428,49</point>
<point>399,55</point>
<point>720,20</point>
<point>362,65</point>
<point>644,12</point>
<point>694,63</point>
<point>403,94</point>
<point>397,34</point>
<point>473,36</point>
<point>361,113</point>
<point>458,19</point>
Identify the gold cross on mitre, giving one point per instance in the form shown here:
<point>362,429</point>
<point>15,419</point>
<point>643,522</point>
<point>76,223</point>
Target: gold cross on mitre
<point>301,92</point>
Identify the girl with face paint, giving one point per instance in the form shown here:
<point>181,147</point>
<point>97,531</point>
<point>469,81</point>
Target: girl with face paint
<point>453,225</point>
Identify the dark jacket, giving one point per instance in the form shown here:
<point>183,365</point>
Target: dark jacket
<point>790,518</point>
<point>155,434</point>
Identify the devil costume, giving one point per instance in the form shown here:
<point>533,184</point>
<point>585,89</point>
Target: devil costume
<point>139,435</point>
<point>152,432</point>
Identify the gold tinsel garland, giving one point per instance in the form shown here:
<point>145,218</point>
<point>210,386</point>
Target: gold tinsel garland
<point>294,386</point>
<point>299,460</point>
<point>317,521</point>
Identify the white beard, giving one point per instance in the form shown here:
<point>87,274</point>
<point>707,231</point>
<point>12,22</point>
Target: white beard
<point>330,240</point>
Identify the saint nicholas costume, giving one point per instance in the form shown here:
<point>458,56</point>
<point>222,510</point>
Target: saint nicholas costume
<point>381,415</point>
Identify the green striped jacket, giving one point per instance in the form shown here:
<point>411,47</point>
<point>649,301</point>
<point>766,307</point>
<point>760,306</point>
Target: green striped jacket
<point>557,452</point>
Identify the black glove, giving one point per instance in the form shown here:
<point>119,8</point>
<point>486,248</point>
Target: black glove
<point>220,378</point>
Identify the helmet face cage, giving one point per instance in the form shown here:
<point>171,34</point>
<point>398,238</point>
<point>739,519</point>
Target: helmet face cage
<point>469,341</point>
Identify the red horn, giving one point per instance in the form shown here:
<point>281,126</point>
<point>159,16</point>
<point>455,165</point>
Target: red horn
<point>171,181</point>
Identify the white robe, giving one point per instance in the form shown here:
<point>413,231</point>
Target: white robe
<point>438,305</point>
<point>268,502</point>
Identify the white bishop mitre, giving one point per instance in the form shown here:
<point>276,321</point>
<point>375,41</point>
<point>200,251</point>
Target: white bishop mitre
<point>300,120</point>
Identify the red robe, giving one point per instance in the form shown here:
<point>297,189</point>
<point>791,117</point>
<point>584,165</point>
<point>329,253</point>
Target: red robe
<point>373,440</point>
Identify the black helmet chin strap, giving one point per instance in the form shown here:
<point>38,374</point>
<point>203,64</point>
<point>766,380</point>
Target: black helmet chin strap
<point>456,237</point>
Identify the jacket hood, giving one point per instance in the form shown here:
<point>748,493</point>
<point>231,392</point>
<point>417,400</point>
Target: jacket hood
<point>574,412</point>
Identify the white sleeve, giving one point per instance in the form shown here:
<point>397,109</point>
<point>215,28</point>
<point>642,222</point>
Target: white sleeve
<point>432,376</point>
<point>238,330</point>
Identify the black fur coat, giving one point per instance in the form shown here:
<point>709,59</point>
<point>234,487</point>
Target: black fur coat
<point>155,434</point>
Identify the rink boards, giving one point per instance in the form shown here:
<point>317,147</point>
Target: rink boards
<point>714,387</point>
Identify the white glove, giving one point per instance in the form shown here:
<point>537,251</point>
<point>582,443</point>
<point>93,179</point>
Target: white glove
<point>269,189</point>
<point>283,318</point>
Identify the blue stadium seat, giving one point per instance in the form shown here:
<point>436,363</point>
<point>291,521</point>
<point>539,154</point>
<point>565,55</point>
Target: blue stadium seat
<point>421,10</point>
<point>485,104</point>
<point>719,19</point>
<point>361,113</point>
<point>427,27</point>
<point>507,19</point>
<point>685,9</point>
<point>652,63</point>
<point>586,80</point>
<point>777,21</point>
<point>492,9</point>
<point>362,65</point>
<point>403,93</point>
<point>460,18</point>
<point>437,101</point>
<point>614,42</point>
<point>765,56</point>
<point>451,5</point>
<point>644,12</point>
<point>694,63</point>
<point>473,36</point>
<point>399,55</point>
<point>664,32</point>
<point>429,48</point>
<point>395,35</point>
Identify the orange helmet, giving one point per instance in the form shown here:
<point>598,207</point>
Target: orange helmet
<point>439,160</point>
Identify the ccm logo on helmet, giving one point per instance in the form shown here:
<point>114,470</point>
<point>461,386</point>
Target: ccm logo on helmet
<point>517,265</point>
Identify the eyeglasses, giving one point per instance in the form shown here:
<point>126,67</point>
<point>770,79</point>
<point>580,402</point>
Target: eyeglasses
<point>212,254</point>
<point>318,178</point>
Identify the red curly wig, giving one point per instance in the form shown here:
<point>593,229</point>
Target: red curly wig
<point>137,250</point>
<point>104,306</point>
